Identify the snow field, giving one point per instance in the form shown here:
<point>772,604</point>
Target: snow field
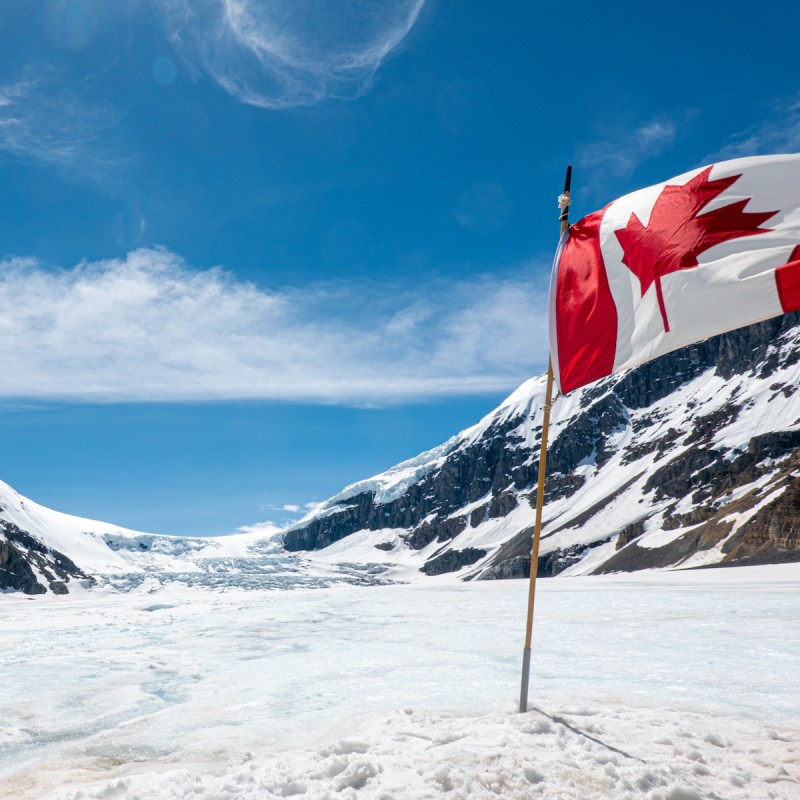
<point>410,755</point>
<point>407,691</point>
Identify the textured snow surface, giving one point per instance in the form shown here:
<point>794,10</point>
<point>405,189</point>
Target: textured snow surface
<point>575,754</point>
<point>666,686</point>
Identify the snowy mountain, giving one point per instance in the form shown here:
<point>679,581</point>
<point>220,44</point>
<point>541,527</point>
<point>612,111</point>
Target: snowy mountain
<point>43,551</point>
<point>691,460</point>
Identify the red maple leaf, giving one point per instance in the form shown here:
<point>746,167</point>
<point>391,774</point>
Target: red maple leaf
<point>677,233</point>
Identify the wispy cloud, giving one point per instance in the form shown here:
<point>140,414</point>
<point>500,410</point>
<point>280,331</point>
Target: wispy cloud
<point>45,120</point>
<point>288,52</point>
<point>265,529</point>
<point>150,328</point>
<point>618,156</point>
<point>778,133</point>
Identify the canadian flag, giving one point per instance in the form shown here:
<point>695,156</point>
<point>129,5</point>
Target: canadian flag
<point>714,249</point>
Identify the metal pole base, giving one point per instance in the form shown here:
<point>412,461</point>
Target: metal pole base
<point>526,672</point>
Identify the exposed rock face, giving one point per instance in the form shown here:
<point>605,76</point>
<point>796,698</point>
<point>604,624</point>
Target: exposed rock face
<point>773,533</point>
<point>629,533</point>
<point>326,530</point>
<point>16,572</point>
<point>452,560</point>
<point>28,566</point>
<point>686,461</point>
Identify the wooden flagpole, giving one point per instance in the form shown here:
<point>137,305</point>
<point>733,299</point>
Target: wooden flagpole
<point>537,527</point>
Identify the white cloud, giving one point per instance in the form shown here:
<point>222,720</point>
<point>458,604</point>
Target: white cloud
<point>59,125</point>
<point>262,529</point>
<point>618,156</point>
<point>149,328</point>
<point>779,133</point>
<point>291,508</point>
<point>289,52</point>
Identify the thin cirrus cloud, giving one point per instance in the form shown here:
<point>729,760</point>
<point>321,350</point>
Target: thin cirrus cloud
<point>275,55</point>
<point>288,52</point>
<point>149,328</point>
<point>47,121</point>
<point>778,132</point>
<point>619,156</point>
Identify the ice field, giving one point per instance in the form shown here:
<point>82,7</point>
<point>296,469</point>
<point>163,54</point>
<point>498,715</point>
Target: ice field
<point>666,686</point>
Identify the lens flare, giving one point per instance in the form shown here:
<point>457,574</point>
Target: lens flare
<point>72,24</point>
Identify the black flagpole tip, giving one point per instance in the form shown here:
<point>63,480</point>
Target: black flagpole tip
<point>568,179</point>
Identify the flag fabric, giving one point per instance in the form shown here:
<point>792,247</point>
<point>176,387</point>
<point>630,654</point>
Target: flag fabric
<point>714,249</point>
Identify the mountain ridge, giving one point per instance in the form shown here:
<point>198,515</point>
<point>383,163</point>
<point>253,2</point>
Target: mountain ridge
<point>705,439</point>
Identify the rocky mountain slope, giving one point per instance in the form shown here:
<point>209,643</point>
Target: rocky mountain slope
<point>689,461</point>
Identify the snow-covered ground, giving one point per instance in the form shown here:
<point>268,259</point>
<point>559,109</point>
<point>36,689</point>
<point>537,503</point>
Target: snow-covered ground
<point>666,686</point>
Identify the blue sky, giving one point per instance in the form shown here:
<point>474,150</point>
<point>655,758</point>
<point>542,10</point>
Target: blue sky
<point>252,251</point>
